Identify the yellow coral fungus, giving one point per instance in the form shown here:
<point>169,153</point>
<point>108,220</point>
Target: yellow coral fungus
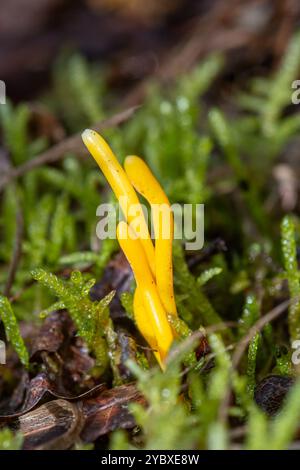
<point>150,315</point>
<point>154,295</point>
<point>120,184</point>
<point>146,184</point>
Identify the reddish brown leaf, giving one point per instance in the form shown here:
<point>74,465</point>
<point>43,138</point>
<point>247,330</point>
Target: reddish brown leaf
<point>59,423</point>
<point>109,411</point>
<point>54,425</point>
<point>52,333</point>
<point>117,276</point>
<point>40,388</point>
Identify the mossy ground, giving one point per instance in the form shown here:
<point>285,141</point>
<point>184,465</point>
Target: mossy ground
<point>232,158</point>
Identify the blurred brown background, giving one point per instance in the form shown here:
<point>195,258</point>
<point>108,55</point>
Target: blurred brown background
<point>139,39</point>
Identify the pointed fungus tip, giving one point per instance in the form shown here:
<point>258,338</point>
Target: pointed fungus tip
<point>87,134</point>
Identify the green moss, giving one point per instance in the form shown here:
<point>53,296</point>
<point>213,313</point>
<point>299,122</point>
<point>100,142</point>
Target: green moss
<point>9,440</point>
<point>12,330</point>
<point>76,82</point>
<point>251,367</point>
<point>90,318</point>
<point>200,152</point>
<point>291,268</point>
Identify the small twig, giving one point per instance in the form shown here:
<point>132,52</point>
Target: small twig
<point>256,328</point>
<point>69,145</point>
<point>17,252</point>
<point>192,339</point>
<point>242,345</point>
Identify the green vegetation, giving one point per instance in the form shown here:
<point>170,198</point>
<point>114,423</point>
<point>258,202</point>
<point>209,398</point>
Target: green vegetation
<point>10,441</point>
<point>201,153</point>
<point>12,330</point>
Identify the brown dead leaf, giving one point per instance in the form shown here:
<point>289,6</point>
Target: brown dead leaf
<point>42,388</point>
<point>52,333</point>
<point>117,276</point>
<point>65,356</point>
<point>53,426</point>
<point>109,411</point>
<point>59,423</point>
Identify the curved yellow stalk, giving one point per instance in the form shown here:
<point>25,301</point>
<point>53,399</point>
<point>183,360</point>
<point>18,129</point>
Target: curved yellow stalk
<point>155,321</point>
<point>121,186</point>
<point>146,184</point>
<point>144,324</point>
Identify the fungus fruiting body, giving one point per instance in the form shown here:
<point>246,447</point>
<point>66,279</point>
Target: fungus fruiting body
<point>152,266</point>
<point>119,183</point>
<point>145,183</point>
<point>149,313</point>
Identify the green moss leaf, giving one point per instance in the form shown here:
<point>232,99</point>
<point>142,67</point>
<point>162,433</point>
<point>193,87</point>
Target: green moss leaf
<point>12,330</point>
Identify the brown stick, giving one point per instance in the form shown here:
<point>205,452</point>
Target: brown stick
<point>71,144</point>
<point>242,345</point>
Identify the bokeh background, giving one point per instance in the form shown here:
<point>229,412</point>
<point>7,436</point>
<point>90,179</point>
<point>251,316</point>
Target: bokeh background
<point>138,39</point>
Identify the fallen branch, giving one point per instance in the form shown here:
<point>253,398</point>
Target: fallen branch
<point>59,151</point>
<point>242,345</point>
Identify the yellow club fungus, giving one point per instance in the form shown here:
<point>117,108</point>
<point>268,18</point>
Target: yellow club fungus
<point>120,184</point>
<point>146,184</point>
<point>150,315</point>
<point>152,267</point>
